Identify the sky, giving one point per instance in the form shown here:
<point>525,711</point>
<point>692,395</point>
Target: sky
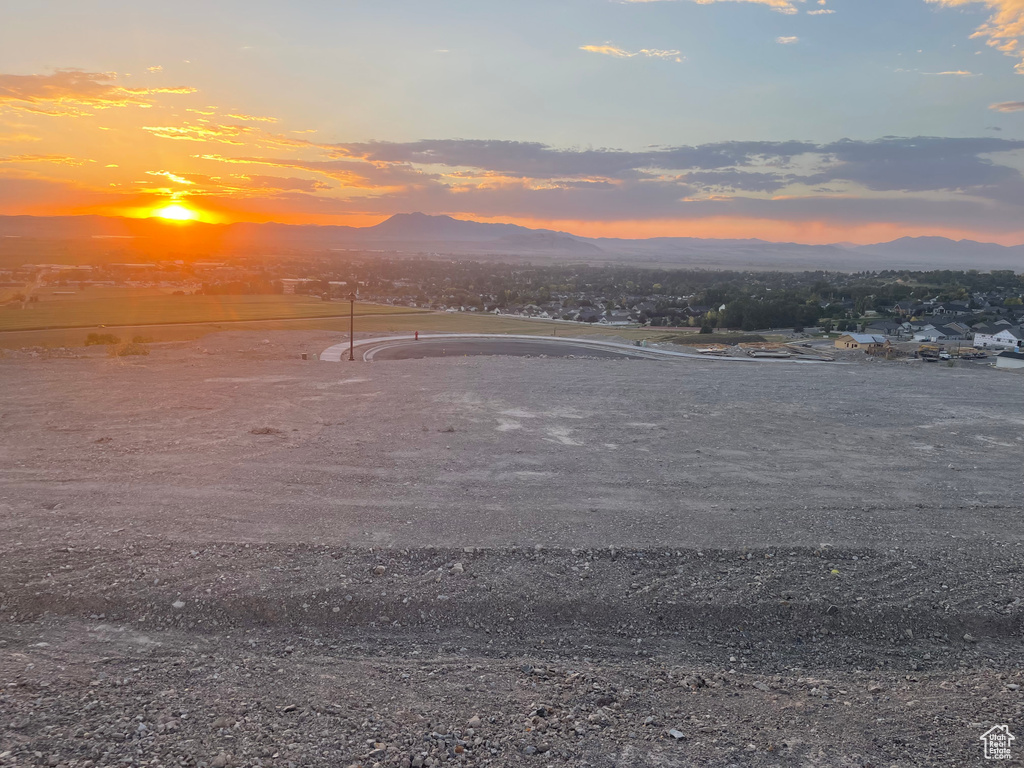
<point>790,120</point>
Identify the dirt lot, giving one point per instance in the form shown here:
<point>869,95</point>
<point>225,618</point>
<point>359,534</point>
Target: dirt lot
<point>220,554</point>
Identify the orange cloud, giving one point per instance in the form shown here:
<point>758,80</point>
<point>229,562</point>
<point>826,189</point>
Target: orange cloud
<point>73,92</point>
<point>227,134</point>
<point>170,177</point>
<point>13,138</point>
<point>240,184</point>
<point>59,159</point>
<point>621,53</point>
<point>1004,28</point>
<point>353,174</point>
<point>254,118</point>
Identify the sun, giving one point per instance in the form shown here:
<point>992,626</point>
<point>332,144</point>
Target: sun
<point>175,212</point>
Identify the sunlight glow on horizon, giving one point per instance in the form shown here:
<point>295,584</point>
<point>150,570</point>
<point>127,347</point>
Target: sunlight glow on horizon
<point>175,212</point>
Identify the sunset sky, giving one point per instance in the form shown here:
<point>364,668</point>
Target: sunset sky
<point>804,120</point>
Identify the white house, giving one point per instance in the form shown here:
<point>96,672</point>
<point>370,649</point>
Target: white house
<point>932,333</point>
<point>1007,338</point>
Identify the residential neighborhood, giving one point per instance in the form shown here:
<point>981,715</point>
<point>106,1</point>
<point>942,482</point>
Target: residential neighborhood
<point>870,310</point>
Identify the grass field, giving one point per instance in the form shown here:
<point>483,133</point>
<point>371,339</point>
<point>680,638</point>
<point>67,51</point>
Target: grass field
<point>389,319</point>
<point>91,309</point>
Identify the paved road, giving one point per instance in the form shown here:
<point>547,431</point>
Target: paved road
<point>404,347</point>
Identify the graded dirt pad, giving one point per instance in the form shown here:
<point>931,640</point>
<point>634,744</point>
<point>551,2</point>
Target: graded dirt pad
<point>489,347</point>
<point>222,555</point>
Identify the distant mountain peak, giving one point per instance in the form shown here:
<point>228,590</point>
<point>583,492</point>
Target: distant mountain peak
<point>423,226</point>
<point>418,216</point>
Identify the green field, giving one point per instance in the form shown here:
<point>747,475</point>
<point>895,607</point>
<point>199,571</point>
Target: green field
<point>60,320</point>
<point>135,308</point>
<point>384,320</point>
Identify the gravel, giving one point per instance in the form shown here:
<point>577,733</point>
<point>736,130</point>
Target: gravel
<point>769,568</point>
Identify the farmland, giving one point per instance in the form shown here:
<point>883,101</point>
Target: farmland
<point>130,308</point>
<point>62,321</point>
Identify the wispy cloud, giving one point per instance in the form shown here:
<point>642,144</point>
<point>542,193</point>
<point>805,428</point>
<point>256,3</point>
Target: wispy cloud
<point>283,183</point>
<point>254,118</point>
<point>228,134</point>
<point>11,138</point>
<point>358,174</point>
<point>820,12</point>
<point>955,72</point>
<point>621,53</point>
<point>1008,106</point>
<point>915,165</point>
<point>240,184</point>
<point>73,92</point>
<point>782,6</point>
<point>943,181</point>
<point>59,159</point>
<point>1004,28</point>
<point>787,40</point>
<point>170,177</point>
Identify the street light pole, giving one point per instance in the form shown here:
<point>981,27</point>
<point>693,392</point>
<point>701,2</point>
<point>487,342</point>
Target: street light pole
<point>351,326</point>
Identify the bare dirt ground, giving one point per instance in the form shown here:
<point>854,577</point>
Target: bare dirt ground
<point>222,555</point>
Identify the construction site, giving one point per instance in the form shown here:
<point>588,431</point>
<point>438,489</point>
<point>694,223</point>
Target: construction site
<point>221,554</point>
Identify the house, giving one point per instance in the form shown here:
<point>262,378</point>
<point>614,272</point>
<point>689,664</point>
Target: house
<point>1008,337</point>
<point>1010,360</point>
<point>953,331</point>
<point>887,328</point>
<point>988,329</point>
<point>942,332</point>
<point>696,310</point>
<point>289,284</point>
<point>958,326</point>
<point>929,332</point>
<point>950,308</point>
<point>860,341</point>
<point>907,308</point>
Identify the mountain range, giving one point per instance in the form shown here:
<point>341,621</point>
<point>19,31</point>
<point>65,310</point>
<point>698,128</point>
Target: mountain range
<point>418,233</point>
